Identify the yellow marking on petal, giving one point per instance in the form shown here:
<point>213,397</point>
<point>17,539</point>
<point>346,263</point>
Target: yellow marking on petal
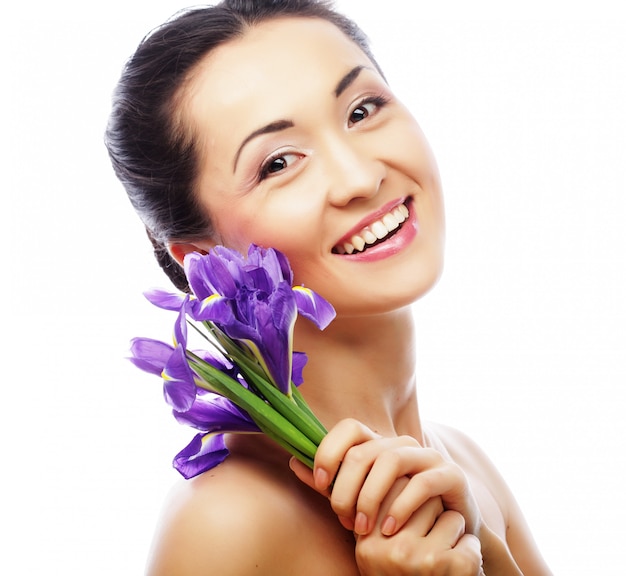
<point>206,301</point>
<point>261,360</point>
<point>304,289</point>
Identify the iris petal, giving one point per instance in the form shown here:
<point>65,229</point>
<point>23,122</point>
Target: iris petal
<point>179,388</point>
<point>150,355</point>
<point>298,363</point>
<point>214,413</point>
<point>204,452</point>
<point>164,299</point>
<point>313,306</point>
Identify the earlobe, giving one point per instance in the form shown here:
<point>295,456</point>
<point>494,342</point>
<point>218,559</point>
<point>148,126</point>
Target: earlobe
<point>179,250</point>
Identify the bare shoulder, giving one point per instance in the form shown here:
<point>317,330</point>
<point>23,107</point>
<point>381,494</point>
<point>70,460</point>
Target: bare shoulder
<point>486,479</point>
<point>475,462</point>
<point>245,517</point>
<point>204,523</point>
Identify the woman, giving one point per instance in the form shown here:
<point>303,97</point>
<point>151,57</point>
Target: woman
<point>269,122</point>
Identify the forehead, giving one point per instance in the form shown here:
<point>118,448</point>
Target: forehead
<point>268,72</point>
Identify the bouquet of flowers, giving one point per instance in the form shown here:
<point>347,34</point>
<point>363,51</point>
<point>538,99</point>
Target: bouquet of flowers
<point>245,308</point>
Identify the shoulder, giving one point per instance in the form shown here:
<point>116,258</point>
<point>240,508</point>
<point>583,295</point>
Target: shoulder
<point>247,516</point>
<point>207,520</point>
<point>467,454</point>
<point>478,466</point>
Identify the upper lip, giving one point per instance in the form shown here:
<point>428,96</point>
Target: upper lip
<point>370,219</point>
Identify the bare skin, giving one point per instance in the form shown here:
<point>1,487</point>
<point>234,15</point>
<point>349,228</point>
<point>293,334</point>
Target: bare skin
<point>289,528</point>
<point>407,499</point>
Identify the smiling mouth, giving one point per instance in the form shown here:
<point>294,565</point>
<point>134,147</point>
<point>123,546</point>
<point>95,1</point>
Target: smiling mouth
<point>374,233</point>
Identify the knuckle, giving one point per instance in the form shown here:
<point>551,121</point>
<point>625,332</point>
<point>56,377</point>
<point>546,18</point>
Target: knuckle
<point>367,501</point>
<point>406,440</point>
<point>429,482</point>
<point>366,553</point>
<point>356,455</point>
<point>390,460</point>
<point>342,503</point>
<point>402,552</point>
<point>351,425</point>
<point>341,507</point>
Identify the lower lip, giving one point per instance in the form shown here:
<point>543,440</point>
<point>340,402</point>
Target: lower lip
<point>390,247</point>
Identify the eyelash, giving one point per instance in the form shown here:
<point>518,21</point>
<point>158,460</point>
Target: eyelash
<point>264,171</point>
<point>379,101</point>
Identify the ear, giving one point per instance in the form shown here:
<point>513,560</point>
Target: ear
<point>179,250</point>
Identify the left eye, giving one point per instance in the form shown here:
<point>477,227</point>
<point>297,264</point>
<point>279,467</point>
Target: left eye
<point>277,164</point>
<point>365,109</point>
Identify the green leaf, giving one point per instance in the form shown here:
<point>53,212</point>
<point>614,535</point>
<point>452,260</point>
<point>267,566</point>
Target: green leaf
<point>266,416</point>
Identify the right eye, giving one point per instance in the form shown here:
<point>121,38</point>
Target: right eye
<point>277,163</point>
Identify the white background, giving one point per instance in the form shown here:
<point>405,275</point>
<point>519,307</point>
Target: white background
<point>522,344</point>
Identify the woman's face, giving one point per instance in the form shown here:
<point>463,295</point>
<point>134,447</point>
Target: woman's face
<point>304,148</point>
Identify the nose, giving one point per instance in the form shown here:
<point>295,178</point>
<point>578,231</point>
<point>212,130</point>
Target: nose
<point>353,170</point>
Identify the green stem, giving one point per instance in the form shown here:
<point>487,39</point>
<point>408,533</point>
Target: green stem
<point>304,420</point>
<point>301,402</point>
<point>290,448</point>
<point>262,413</point>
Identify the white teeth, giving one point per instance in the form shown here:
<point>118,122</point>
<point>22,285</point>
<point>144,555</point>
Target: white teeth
<point>369,236</point>
<point>375,231</point>
<point>379,229</point>
<point>391,222</point>
<point>357,242</point>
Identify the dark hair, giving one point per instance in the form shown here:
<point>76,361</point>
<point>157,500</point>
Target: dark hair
<point>152,153</point>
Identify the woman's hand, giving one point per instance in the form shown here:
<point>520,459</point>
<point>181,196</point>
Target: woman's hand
<point>431,543</point>
<point>362,468</point>
<point>412,511</point>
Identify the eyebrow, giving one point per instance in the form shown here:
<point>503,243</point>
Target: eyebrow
<point>267,129</point>
<point>348,79</point>
<point>280,125</point>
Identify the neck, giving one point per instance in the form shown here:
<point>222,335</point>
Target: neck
<point>363,368</point>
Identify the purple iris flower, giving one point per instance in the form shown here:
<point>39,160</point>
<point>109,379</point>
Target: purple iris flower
<point>179,388</point>
<point>150,355</point>
<point>204,452</point>
<point>212,412</point>
<point>252,301</point>
<point>249,303</point>
<point>298,364</point>
<point>169,362</point>
<point>214,415</point>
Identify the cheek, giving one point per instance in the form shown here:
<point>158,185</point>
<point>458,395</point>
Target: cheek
<point>412,152</point>
<point>285,226</point>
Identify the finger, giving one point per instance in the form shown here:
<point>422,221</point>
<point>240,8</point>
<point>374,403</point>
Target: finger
<point>406,552</point>
<point>304,474</point>
<point>447,530</point>
<point>358,464</point>
<point>395,463</point>
<point>422,520</point>
<point>333,447</point>
<point>446,481</point>
<point>465,559</point>
<point>461,552</point>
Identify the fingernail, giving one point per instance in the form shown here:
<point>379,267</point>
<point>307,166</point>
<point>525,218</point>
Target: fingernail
<point>321,479</point>
<point>389,526</point>
<point>361,524</point>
